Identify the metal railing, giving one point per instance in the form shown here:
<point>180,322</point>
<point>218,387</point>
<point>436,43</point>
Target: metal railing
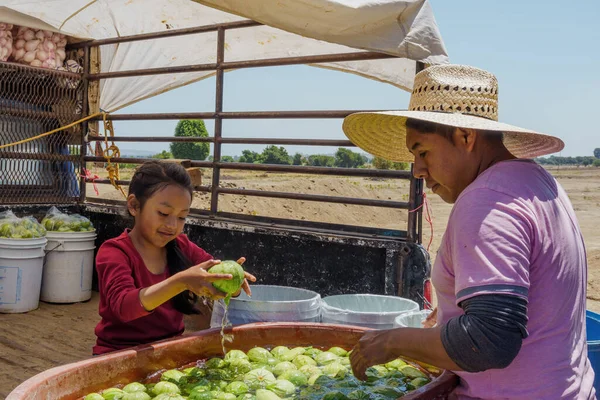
<point>413,229</point>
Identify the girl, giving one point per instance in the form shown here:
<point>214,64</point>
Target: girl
<point>151,275</point>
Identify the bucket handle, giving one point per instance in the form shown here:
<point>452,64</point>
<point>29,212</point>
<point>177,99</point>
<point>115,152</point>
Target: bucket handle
<point>60,244</point>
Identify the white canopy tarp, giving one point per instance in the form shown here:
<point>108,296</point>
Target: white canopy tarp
<point>404,28</point>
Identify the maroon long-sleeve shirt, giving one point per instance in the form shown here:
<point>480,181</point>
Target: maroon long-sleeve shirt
<point>121,275</point>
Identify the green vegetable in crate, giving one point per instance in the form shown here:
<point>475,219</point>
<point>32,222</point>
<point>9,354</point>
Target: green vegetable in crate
<point>263,394</point>
<point>282,388</point>
<point>215,363</point>
<point>335,370</point>
<point>296,377</point>
<point>134,387</point>
<point>237,388</point>
<point>293,353</point>
<point>172,375</point>
<point>329,377</point>
<point>260,355</point>
<point>235,354</point>
<point>229,286</point>
<point>169,396</point>
<point>411,372</point>
<point>325,358</point>
<point>136,396</point>
<point>396,364</point>
<point>112,394</point>
<point>338,351</point>
<point>258,378</point>
<point>240,366</point>
<point>165,387</point>
<point>309,370</point>
<point>279,352</point>
<point>312,352</point>
<point>303,360</point>
<point>93,396</point>
<point>282,367</point>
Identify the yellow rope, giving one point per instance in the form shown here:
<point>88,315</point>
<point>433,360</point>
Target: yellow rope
<point>52,131</point>
<point>109,152</point>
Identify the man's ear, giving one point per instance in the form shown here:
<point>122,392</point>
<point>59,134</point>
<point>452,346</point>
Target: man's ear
<point>133,205</point>
<point>465,138</point>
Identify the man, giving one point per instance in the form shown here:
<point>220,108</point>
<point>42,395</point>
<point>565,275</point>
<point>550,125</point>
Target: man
<point>511,271</point>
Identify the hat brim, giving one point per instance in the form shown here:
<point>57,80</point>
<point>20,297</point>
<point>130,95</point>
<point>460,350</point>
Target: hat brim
<point>383,134</point>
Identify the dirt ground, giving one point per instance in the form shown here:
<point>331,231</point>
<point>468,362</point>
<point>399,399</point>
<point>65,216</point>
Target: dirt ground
<point>58,334</point>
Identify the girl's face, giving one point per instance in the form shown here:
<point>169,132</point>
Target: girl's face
<point>163,216</point>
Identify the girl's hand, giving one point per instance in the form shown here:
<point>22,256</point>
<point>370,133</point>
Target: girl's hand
<point>197,279</point>
<point>245,285</point>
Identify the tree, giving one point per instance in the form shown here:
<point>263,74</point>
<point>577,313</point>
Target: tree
<point>163,155</point>
<point>249,157</point>
<point>321,160</point>
<point>346,158</point>
<point>227,159</point>
<point>298,159</point>
<point>275,155</point>
<point>189,150</point>
<point>597,163</point>
<point>400,166</point>
<point>597,152</point>
<point>382,163</point>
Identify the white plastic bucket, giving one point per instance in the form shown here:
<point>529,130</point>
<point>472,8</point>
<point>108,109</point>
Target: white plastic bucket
<point>413,319</point>
<point>270,303</point>
<point>69,266</point>
<point>368,310</point>
<point>21,263</point>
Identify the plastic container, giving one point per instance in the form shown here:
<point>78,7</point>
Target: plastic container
<point>368,310</point>
<point>593,343</point>
<point>21,263</point>
<point>72,381</point>
<point>413,319</point>
<point>69,267</point>
<point>270,304</point>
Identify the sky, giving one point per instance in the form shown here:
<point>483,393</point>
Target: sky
<point>545,54</point>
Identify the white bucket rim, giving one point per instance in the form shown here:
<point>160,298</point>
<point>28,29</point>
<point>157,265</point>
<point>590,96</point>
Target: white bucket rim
<point>72,234</point>
<point>20,242</point>
<point>328,307</point>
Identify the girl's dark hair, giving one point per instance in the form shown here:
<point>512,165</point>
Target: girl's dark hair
<point>149,178</point>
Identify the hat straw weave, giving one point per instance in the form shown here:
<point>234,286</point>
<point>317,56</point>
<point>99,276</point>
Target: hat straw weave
<point>453,95</point>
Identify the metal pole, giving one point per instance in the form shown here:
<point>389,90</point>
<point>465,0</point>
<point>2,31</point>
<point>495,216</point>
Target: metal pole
<point>84,126</point>
<point>415,217</point>
<point>214,199</point>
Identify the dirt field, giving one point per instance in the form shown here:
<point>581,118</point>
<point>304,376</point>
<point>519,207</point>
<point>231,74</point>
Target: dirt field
<point>59,334</point>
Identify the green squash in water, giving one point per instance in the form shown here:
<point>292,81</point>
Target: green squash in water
<point>228,286</point>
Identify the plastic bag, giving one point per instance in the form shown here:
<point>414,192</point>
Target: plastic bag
<point>57,221</point>
<point>13,227</point>
<point>6,41</point>
<point>413,319</point>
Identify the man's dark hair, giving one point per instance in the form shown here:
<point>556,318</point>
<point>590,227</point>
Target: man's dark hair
<point>448,131</point>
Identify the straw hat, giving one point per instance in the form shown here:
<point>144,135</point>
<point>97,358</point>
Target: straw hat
<point>453,95</point>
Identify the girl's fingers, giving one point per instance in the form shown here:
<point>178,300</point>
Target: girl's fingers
<point>208,264</point>
<point>217,277</point>
<point>241,260</point>
<point>250,277</point>
<point>246,288</point>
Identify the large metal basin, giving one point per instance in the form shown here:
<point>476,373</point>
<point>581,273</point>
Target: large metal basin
<point>72,381</point>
